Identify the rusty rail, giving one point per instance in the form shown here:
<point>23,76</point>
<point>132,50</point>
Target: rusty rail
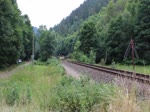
<point>143,78</point>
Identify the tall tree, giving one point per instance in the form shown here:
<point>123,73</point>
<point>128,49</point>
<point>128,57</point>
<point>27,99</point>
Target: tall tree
<point>10,32</point>
<point>47,43</point>
<point>143,30</point>
<point>27,37</point>
<point>88,38</point>
<point>117,40</point>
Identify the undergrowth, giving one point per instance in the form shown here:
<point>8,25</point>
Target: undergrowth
<point>79,95</point>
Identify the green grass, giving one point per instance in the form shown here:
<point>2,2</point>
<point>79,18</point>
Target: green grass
<point>138,69</point>
<point>29,87</point>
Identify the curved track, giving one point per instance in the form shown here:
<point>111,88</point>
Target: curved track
<point>121,73</point>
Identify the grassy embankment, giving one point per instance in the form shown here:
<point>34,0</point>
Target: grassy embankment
<point>138,69</point>
<point>43,88</point>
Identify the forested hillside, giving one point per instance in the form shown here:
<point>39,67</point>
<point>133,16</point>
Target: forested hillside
<point>15,34</point>
<point>73,22</point>
<point>108,32</point>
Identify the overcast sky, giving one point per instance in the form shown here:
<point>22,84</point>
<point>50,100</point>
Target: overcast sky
<point>47,12</point>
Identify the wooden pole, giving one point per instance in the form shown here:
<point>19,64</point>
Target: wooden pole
<point>33,50</point>
<point>132,45</point>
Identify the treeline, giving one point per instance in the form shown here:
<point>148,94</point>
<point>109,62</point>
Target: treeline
<point>72,23</point>
<point>108,33</point>
<point>15,34</point>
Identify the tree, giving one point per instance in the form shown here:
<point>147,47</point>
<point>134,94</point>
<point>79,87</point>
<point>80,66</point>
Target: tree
<point>10,32</point>
<point>116,41</point>
<point>47,43</point>
<point>142,30</point>
<point>27,38</point>
<point>88,38</point>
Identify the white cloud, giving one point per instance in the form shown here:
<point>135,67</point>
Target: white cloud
<point>47,12</point>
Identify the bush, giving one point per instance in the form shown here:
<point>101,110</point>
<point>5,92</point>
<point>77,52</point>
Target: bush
<point>16,93</point>
<point>52,61</point>
<point>81,57</point>
<point>37,62</point>
<point>79,95</point>
<point>12,94</point>
<point>102,62</point>
<point>92,57</point>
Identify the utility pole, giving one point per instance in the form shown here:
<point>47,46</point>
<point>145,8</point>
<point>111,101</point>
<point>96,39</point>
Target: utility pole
<point>134,52</point>
<point>132,46</point>
<point>33,50</point>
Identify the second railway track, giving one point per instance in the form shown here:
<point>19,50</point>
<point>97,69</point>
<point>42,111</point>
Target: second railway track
<point>120,73</point>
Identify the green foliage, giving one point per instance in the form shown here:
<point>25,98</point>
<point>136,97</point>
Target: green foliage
<point>81,57</point>
<point>47,43</point>
<point>27,38</point>
<point>79,95</point>
<point>73,22</point>
<point>88,38</point>
<point>142,30</point>
<point>102,62</point>
<point>29,86</point>
<point>115,36</point>
<point>66,45</point>
<point>12,94</point>
<point>92,57</point>
<point>109,31</point>
<point>16,93</point>
<point>53,61</point>
<point>15,34</point>
<point>55,66</point>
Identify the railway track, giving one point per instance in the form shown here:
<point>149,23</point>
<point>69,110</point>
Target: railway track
<point>143,78</point>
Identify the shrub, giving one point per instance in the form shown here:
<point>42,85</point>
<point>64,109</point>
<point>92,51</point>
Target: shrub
<point>12,94</point>
<point>81,57</point>
<point>17,93</point>
<point>37,62</point>
<point>52,61</point>
<point>92,57</point>
<point>79,95</point>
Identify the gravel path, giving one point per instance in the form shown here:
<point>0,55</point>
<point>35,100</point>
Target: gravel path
<point>77,70</point>
<point>6,74</point>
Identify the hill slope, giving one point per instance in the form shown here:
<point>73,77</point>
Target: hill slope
<point>71,23</point>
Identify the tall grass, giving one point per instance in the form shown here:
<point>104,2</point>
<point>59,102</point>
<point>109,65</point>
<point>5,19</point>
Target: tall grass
<point>28,88</point>
<point>138,68</point>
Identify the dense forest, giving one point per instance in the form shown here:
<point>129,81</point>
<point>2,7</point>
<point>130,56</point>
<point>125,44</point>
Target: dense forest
<point>98,31</point>
<point>72,23</point>
<point>108,32</point>
<point>15,34</point>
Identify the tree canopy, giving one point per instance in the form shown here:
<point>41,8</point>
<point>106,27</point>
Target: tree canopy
<point>15,33</point>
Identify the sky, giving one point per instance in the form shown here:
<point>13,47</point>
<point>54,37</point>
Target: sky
<point>47,12</point>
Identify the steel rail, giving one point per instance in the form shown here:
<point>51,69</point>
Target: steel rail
<point>143,78</point>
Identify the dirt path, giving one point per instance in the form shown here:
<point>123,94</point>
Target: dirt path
<point>6,74</point>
